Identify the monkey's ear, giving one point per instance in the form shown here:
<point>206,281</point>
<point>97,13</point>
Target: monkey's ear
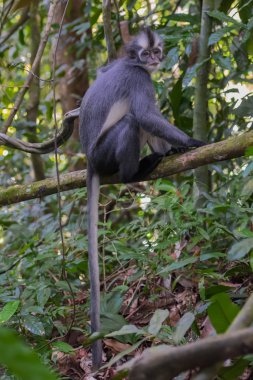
<point>131,52</point>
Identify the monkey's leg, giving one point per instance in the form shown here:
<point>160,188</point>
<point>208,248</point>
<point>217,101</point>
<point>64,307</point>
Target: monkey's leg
<point>128,148</point>
<point>119,150</point>
<point>128,153</point>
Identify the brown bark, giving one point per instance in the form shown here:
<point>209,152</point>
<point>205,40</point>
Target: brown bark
<point>164,363</point>
<point>223,150</point>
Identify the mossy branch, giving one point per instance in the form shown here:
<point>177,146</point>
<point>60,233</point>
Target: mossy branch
<point>223,150</point>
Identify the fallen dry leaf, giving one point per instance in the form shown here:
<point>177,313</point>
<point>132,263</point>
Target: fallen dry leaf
<point>116,346</point>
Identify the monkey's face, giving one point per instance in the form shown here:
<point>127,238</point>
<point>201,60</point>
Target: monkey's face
<point>151,58</point>
<point>146,50</point>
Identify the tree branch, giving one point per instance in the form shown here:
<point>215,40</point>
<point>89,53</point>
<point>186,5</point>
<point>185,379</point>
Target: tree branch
<point>47,146</point>
<point>223,150</point>
<point>164,363</point>
<point>35,64</point>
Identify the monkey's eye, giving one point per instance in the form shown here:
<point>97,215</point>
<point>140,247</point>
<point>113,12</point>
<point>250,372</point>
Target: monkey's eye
<point>156,51</point>
<point>145,53</point>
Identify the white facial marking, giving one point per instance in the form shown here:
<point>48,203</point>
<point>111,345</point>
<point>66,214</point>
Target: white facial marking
<point>143,40</point>
<point>157,40</point>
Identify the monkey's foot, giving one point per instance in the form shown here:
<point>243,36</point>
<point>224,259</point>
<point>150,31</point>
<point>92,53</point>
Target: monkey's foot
<point>146,166</point>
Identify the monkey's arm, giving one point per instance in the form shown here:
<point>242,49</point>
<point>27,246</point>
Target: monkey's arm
<point>152,121</point>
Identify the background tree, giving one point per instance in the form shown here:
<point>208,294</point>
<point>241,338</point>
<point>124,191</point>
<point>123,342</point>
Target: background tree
<point>172,274</point>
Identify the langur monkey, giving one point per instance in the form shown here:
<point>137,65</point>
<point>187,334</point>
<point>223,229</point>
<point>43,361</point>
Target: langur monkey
<point>118,116</point>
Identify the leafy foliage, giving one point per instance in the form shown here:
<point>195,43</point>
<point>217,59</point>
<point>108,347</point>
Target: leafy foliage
<point>165,266</point>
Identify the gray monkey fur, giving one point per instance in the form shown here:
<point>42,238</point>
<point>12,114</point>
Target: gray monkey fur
<point>118,115</point>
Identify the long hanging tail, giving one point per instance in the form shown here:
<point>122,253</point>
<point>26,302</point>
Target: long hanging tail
<point>93,198</point>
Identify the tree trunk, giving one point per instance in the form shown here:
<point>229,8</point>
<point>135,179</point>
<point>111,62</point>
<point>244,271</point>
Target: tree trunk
<point>34,91</point>
<point>200,121</point>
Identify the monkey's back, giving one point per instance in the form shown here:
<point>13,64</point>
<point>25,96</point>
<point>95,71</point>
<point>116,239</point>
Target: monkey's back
<point>116,82</point>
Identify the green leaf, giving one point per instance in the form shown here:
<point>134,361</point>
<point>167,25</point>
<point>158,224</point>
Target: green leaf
<point>63,347</point>
<point>225,5</point>
<point>222,312</point>
<point>192,72</point>
<point>183,326</point>
<point>179,264</point>
<point>247,189</point>
<point>157,320</point>
<point>240,249</point>
<point>234,371</point>
<point>111,322</point>
<point>172,58</point>
<point>215,289</point>
<point>245,108</point>
<point>8,311</point>
<point>218,35</point>
<point>111,302</point>
<point>20,360</point>
<point>245,10</point>
<point>183,17</point>
<point>43,295</point>
<point>211,255</point>
<point>125,330</point>
<point>249,167</point>
<point>222,61</point>
<point>33,325</point>
<point>223,17</point>
<point>202,290</point>
<point>189,75</point>
<point>175,101</point>
<point>249,152</point>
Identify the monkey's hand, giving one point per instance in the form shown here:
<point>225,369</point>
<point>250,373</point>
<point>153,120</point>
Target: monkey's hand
<point>175,150</point>
<point>193,143</point>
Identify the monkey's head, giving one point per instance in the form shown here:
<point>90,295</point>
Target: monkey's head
<point>146,50</point>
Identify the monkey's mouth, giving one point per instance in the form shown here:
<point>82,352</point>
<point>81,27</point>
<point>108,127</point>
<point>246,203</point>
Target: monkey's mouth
<point>153,66</point>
